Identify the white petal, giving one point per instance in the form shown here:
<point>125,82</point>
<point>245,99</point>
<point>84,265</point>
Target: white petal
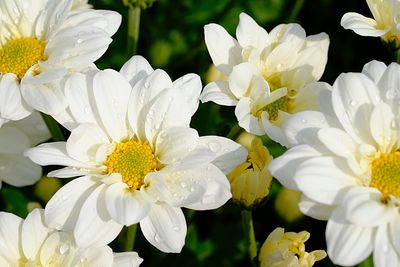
<point>361,25</point>
<point>246,119</point>
<point>225,51</point>
<point>34,233</point>
<point>84,142</point>
<point>12,106</point>
<point>323,179</point>
<point>395,231</point>
<point>127,259</point>
<point>241,77</point>
<point>12,140</point>
<point>190,86</point>
<point>113,19</point>
<point>338,142</point>
<point>315,210</point>
<point>63,208</point>
<point>284,167</point>
<point>229,154</point>
<point>165,228</point>
<point>10,234</point>
<point>274,132</point>
<point>18,170</point>
<point>125,206</point>
<point>111,92</point>
<point>354,96</point>
<point>389,86</point>
<point>175,143</point>
<point>219,93</point>
<point>383,127</point>
<point>363,207</point>
<point>249,33</point>
<point>384,252</point>
<point>217,193</point>
<point>135,69</point>
<point>342,238</point>
<point>374,70</point>
<point>94,226</point>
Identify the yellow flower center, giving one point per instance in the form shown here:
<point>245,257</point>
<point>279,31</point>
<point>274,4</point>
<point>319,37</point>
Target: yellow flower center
<point>133,160</point>
<point>18,55</point>
<point>386,174</point>
<point>273,108</point>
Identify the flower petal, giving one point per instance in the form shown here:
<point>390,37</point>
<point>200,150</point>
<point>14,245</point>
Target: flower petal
<point>190,86</point>
<point>18,170</point>
<point>12,106</point>
<point>165,228</point>
<point>315,210</point>
<point>361,25</point>
<point>10,234</point>
<point>127,259</point>
<point>249,33</point>
<point>219,93</point>
<point>241,77</point>
<point>384,253</point>
<point>374,70</point>
<point>246,119</point>
<point>135,69</point>
<point>384,127</point>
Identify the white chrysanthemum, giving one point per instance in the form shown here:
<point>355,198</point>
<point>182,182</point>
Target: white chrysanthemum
<point>385,23</point>
<point>346,162</point>
<point>269,75</point>
<point>40,43</point>
<point>15,138</point>
<point>30,242</point>
<point>141,160</point>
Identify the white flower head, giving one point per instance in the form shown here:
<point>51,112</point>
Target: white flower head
<point>30,242</point>
<point>385,22</point>
<point>15,138</point>
<point>41,42</point>
<point>140,160</point>
<point>345,161</point>
<point>270,75</point>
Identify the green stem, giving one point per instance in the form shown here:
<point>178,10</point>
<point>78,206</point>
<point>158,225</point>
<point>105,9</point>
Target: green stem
<point>54,128</point>
<point>296,10</point>
<point>397,55</point>
<point>248,228</point>
<point>133,28</point>
<point>367,263</point>
<point>234,132</point>
<point>130,238</point>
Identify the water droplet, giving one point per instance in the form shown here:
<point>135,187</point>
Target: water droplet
<point>83,260</point>
<point>214,146</point>
<point>385,248</point>
<point>157,238</point>
<point>86,110</point>
<point>192,189</point>
<point>146,84</point>
<point>322,121</point>
<point>176,228</point>
<point>183,184</point>
<point>390,94</point>
<point>63,249</point>
<point>353,103</point>
<point>79,41</point>
<point>393,124</point>
<point>64,198</point>
<point>303,120</point>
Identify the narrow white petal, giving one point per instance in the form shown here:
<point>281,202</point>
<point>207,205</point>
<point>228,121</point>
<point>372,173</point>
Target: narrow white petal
<point>361,25</point>
<point>389,86</point>
<point>135,69</point>
<point>315,210</point>
<point>100,256</point>
<point>113,20</point>
<point>34,233</point>
<point>94,226</point>
<point>127,259</point>
<point>249,33</point>
<point>12,106</point>
<point>384,252</point>
<point>125,206</point>
<point>190,86</point>
<point>219,93</point>
<point>342,238</point>
<point>225,51</point>
<point>246,119</point>
<point>374,70</point>
<point>338,142</point>
<point>228,154</point>
<point>63,208</point>
<point>395,231</point>
<point>384,127</point>
<point>10,234</point>
<point>241,77</point>
<point>165,228</point>
<point>274,132</point>
<point>18,170</point>
<point>111,92</point>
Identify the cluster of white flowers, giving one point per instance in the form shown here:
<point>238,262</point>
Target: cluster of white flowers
<point>135,159</point>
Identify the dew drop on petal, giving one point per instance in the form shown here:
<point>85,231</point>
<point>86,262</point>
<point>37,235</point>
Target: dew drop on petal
<point>353,103</point>
<point>63,249</point>
<point>303,120</point>
<point>393,124</point>
<point>214,146</point>
<point>157,238</point>
<point>146,84</point>
<point>176,228</point>
<point>390,94</point>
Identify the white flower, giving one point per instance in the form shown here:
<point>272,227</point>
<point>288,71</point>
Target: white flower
<point>141,160</point>
<point>345,161</point>
<point>385,23</point>
<point>30,242</point>
<point>15,138</point>
<point>41,42</point>
<point>269,75</point>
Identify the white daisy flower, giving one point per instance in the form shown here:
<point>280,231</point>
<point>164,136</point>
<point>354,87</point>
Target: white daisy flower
<point>140,159</point>
<point>345,161</point>
<point>15,138</point>
<point>269,75</point>
<point>41,42</point>
<point>385,21</point>
<point>30,242</point>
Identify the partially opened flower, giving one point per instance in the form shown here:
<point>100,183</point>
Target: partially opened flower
<point>15,138</point>
<point>282,249</point>
<point>385,22</point>
<point>41,42</point>
<point>251,180</point>
<point>138,158</point>
<point>270,75</point>
<point>345,161</point>
<point>30,242</point>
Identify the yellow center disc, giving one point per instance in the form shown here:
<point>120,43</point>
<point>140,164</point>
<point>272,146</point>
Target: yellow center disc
<point>386,174</point>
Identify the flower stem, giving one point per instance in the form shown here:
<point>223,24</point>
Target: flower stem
<point>234,132</point>
<point>248,228</point>
<point>296,10</point>
<point>133,28</point>
<point>54,128</point>
<point>130,238</point>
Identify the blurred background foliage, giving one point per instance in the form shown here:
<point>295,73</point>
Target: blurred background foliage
<point>171,37</point>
